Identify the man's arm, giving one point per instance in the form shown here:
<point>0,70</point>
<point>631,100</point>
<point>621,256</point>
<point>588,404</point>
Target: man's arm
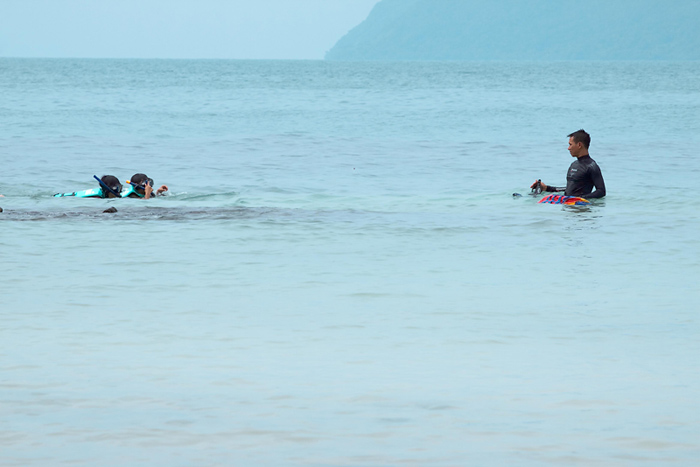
<point>598,182</point>
<point>546,187</point>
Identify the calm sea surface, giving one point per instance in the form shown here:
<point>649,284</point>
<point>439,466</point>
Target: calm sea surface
<point>340,275</point>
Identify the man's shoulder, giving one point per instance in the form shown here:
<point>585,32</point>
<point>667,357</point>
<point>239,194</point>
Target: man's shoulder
<point>587,160</point>
<point>593,163</point>
<point>593,168</point>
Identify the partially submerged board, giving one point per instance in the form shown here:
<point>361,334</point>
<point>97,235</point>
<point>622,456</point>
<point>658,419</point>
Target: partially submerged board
<point>92,193</point>
<point>562,199</point>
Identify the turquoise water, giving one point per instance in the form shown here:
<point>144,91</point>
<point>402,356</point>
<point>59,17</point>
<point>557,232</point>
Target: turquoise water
<point>340,274</point>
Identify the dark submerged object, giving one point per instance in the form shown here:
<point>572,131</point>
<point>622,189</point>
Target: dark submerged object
<point>109,210</point>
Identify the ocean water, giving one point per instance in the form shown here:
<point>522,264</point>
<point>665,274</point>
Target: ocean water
<point>340,274</point>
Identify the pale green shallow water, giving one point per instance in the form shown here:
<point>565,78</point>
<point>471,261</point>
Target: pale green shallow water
<point>340,275</point>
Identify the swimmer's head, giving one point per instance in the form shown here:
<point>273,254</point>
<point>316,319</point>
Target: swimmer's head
<point>113,183</point>
<point>141,179</point>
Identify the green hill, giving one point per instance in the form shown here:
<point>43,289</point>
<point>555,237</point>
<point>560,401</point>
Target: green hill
<point>525,30</point>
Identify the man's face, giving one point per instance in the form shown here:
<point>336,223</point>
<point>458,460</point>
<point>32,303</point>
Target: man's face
<point>575,149</point>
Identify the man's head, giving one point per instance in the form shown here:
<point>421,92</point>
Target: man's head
<point>579,141</point>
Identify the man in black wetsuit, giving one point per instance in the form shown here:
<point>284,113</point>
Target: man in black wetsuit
<point>584,174</point>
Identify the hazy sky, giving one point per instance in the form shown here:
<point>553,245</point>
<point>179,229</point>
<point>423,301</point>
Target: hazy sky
<point>243,29</point>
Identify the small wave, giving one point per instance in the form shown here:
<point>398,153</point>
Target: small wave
<point>206,196</point>
<point>134,213</point>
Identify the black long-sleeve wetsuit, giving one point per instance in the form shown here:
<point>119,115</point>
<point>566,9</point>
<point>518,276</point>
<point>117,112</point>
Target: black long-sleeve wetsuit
<point>583,175</point>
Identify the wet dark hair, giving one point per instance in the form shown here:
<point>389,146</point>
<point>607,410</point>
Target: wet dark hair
<point>112,182</point>
<point>581,136</point>
<point>141,179</point>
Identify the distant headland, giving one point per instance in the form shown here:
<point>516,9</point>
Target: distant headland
<point>525,30</point>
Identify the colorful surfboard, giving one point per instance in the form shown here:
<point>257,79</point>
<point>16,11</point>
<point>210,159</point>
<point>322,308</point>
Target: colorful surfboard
<point>562,199</point>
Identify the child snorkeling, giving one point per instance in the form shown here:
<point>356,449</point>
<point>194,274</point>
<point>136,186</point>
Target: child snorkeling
<point>142,187</point>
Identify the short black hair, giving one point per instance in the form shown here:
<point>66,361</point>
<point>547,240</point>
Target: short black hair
<point>141,179</point>
<point>581,136</point>
<point>112,182</point>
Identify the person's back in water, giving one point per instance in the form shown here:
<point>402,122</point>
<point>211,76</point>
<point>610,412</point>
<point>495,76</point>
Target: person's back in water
<point>109,187</point>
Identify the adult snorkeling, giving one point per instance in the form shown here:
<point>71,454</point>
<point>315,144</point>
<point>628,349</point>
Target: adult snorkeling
<point>584,173</point>
<point>140,186</point>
